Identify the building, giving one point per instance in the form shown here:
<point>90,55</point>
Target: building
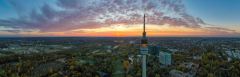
<point>165,58</point>
<point>154,50</point>
<point>233,54</point>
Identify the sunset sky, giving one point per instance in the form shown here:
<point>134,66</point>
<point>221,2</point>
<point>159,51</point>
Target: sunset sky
<point>119,18</point>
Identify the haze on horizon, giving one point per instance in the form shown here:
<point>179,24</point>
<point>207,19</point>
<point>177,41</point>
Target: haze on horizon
<point>120,18</point>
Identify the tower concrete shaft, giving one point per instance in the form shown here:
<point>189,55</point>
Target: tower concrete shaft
<point>144,66</point>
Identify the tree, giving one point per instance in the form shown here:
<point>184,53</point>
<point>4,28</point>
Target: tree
<point>157,75</point>
<point>235,70</point>
<point>210,75</point>
<point>2,73</point>
<point>211,63</point>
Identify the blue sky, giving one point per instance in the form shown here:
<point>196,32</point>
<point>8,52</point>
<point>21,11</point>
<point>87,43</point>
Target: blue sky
<point>23,17</point>
<point>12,8</point>
<point>6,10</point>
<point>219,12</point>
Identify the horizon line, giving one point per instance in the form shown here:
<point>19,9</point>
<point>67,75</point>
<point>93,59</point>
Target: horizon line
<point>119,36</point>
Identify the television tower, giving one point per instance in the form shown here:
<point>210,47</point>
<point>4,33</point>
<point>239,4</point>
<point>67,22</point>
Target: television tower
<point>144,50</point>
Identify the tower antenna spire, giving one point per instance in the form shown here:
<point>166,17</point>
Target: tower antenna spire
<point>144,31</point>
<point>144,49</point>
<point>144,22</point>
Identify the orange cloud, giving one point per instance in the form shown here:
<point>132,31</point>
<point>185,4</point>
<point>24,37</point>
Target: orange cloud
<point>122,30</point>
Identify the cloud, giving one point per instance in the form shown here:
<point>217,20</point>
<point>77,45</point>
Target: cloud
<point>221,31</point>
<point>11,31</point>
<point>87,14</point>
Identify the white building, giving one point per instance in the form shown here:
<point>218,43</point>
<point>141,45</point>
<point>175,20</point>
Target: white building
<point>165,58</point>
<point>233,54</point>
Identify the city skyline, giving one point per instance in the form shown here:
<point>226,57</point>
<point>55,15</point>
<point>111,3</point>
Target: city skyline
<point>119,18</point>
